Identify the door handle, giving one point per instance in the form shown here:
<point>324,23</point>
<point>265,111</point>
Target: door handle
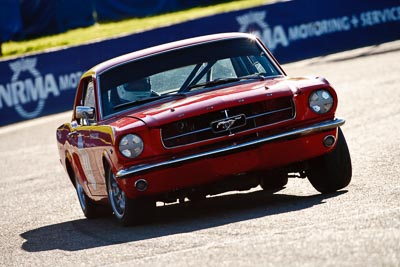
<point>72,134</point>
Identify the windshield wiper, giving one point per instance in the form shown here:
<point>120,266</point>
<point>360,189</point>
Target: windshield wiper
<point>255,76</point>
<point>147,100</point>
<point>221,81</point>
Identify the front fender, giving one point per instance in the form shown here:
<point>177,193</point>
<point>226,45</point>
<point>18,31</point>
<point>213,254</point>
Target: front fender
<point>108,162</point>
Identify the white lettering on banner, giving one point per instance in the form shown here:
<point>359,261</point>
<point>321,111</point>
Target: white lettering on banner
<point>318,28</point>
<point>69,81</point>
<point>5,96</point>
<point>254,22</point>
<point>375,17</point>
<point>277,35</point>
<point>35,89</point>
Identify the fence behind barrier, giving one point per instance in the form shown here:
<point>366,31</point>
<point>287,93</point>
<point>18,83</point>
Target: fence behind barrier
<point>31,18</point>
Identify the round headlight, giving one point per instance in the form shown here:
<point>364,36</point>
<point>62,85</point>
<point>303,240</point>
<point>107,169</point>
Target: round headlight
<point>131,146</point>
<point>321,101</point>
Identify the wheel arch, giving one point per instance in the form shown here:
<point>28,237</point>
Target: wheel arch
<point>69,168</point>
<point>107,163</point>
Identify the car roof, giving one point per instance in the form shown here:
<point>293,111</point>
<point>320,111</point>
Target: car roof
<point>164,47</point>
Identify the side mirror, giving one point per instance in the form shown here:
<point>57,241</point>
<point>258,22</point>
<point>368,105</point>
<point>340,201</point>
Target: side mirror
<point>85,113</point>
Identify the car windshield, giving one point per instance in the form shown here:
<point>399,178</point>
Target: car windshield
<point>174,73</point>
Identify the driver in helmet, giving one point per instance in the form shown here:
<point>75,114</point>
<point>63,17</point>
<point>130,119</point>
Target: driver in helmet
<point>136,90</point>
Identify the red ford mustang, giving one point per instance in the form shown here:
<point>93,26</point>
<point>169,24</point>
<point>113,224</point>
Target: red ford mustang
<point>194,118</point>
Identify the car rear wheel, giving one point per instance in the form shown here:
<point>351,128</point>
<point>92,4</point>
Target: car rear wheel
<point>331,172</point>
<point>197,197</point>
<point>127,211</point>
<point>273,181</point>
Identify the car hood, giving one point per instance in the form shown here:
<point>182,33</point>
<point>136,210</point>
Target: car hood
<point>165,111</point>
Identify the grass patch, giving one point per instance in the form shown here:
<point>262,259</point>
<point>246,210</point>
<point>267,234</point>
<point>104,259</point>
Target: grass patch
<point>106,30</point>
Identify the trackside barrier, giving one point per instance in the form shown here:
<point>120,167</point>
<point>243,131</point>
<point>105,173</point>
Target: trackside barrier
<point>45,83</point>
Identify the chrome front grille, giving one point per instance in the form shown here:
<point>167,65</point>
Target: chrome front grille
<point>228,121</point>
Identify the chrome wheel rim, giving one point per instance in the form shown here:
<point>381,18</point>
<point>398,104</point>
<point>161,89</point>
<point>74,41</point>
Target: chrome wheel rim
<point>81,195</point>
<point>117,197</point>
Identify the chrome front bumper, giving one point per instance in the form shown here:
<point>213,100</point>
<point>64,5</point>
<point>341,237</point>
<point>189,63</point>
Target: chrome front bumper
<point>322,126</point>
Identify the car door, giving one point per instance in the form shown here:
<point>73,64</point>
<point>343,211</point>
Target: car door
<point>84,138</point>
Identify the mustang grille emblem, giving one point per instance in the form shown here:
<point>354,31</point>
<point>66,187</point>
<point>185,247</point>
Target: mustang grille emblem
<point>228,123</point>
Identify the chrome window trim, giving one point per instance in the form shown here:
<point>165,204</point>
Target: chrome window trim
<point>192,45</point>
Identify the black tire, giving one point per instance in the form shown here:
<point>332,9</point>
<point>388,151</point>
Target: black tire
<point>90,209</point>
<point>127,211</point>
<point>274,181</point>
<point>331,172</point>
<point>197,197</point>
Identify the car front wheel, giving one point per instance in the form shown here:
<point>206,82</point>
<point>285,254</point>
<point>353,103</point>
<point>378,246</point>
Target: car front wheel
<point>331,172</point>
<point>127,211</point>
<point>89,208</point>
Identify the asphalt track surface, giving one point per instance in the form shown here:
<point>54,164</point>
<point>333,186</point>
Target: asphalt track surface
<point>42,224</point>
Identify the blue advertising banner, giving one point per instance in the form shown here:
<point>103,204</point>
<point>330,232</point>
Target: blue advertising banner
<point>45,83</point>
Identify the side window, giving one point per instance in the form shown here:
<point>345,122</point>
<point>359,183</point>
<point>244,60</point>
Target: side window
<point>88,100</point>
<point>262,65</point>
